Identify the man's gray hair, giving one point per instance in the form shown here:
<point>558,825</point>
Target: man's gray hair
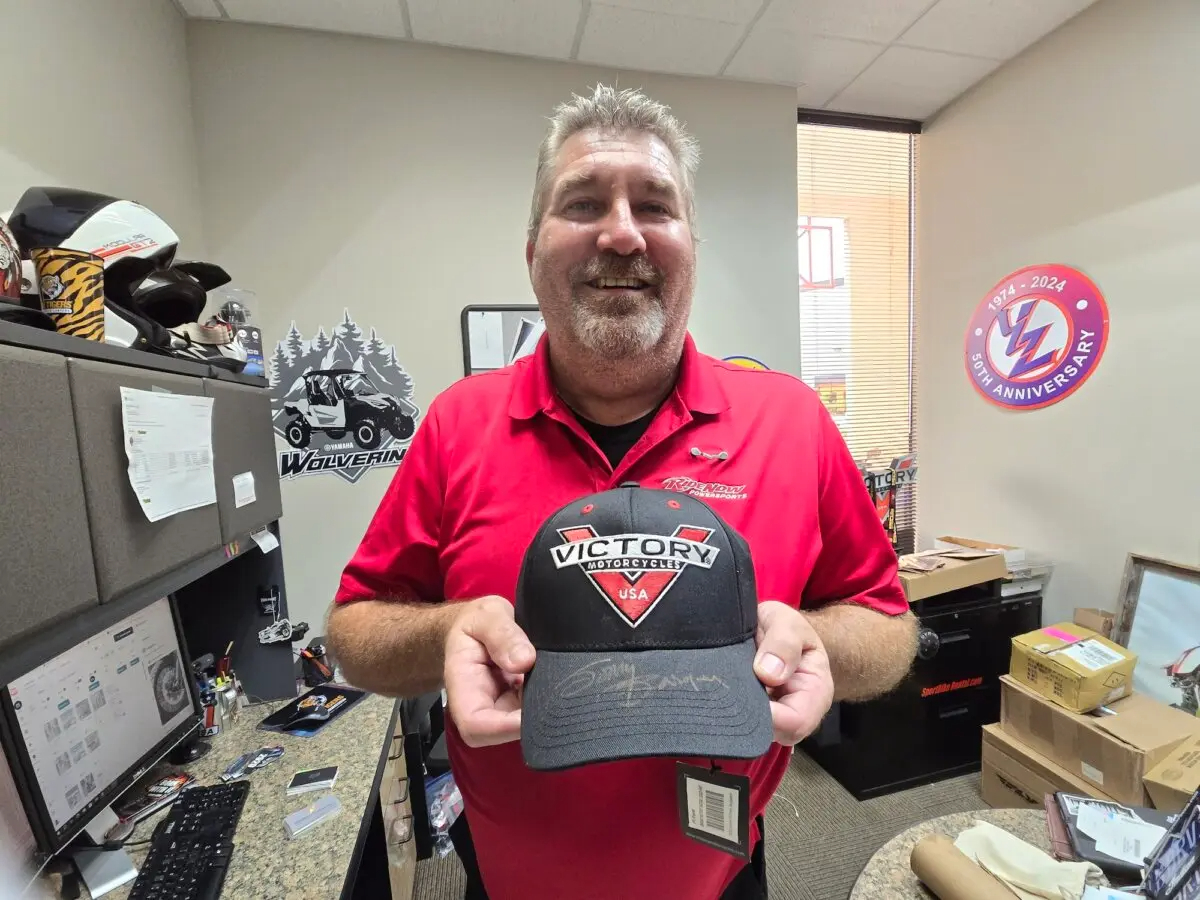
<point>612,110</point>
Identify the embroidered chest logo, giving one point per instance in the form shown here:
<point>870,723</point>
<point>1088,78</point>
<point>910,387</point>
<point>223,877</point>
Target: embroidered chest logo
<point>633,572</point>
<point>706,490</point>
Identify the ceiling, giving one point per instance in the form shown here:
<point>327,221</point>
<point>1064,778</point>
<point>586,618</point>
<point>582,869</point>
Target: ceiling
<point>903,58</point>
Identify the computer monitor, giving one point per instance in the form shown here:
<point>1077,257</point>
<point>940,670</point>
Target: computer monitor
<point>87,724</point>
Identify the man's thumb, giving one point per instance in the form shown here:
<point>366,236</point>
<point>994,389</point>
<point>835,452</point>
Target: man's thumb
<point>506,644</point>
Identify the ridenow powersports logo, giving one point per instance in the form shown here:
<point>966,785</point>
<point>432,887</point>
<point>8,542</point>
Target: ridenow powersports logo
<point>1037,337</point>
<point>633,571</point>
<point>342,403</point>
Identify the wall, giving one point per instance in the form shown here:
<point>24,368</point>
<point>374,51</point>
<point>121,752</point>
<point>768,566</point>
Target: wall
<point>97,97</point>
<point>1081,151</point>
<point>394,179</point>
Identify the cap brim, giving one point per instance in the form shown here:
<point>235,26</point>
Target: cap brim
<point>595,707</point>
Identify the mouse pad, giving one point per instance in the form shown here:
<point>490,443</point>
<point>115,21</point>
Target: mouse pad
<point>338,699</point>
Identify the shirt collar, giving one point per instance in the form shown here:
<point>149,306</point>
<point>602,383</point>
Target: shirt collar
<point>697,386</point>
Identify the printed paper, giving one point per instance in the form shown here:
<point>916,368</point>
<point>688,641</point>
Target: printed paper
<point>168,440</point>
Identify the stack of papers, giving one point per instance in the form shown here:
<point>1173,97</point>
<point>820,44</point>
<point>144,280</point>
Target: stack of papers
<point>1121,836</point>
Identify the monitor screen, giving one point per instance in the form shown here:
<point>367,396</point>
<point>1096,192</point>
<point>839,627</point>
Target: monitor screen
<point>93,718</point>
<point>18,846</point>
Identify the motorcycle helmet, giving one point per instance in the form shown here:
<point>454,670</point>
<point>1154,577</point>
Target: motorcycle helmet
<point>170,296</point>
<point>111,228</point>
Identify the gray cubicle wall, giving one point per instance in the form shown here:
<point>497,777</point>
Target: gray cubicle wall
<point>243,444</point>
<point>46,573</point>
<point>129,549</point>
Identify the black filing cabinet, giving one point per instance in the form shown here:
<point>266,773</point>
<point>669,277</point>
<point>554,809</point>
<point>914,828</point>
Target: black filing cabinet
<point>928,728</point>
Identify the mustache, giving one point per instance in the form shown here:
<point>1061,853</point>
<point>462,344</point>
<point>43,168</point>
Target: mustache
<point>617,267</point>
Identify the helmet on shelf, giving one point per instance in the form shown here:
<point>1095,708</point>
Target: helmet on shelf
<point>10,265</point>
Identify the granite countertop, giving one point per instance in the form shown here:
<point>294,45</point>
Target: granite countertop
<point>887,875</point>
<point>265,864</point>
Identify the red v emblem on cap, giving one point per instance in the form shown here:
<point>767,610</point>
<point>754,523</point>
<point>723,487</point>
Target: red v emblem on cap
<point>634,571</point>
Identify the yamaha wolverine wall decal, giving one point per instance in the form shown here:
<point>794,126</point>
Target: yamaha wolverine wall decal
<point>342,404</point>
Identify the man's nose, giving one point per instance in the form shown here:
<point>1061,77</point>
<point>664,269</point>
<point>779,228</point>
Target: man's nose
<point>619,232</point>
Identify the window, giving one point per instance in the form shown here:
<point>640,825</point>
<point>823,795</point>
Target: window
<point>855,243</point>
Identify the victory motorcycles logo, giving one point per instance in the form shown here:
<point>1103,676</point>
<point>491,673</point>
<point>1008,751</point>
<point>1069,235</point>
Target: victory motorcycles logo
<point>1037,337</point>
<point>633,572</point>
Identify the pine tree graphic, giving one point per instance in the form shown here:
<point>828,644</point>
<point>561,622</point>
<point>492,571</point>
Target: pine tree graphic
<point>376,348</point>
<point>350,335</point>
<point>295,345</point>
<point>280,364</point>
<point>320,341</point>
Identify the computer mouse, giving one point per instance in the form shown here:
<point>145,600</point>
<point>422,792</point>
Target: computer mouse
<point>316,714</point>
<point>120,832</point>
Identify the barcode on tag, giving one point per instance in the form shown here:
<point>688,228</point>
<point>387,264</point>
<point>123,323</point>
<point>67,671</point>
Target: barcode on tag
<point>713,809</point>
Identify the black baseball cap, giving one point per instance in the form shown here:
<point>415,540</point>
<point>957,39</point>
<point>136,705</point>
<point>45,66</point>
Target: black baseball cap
<point>642,607</point>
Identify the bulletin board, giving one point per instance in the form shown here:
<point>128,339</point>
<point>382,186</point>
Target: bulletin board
<point>494,336</point>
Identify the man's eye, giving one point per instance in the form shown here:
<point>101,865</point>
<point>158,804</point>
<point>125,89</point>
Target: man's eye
<point>582,205</point>
<point>656,209</point>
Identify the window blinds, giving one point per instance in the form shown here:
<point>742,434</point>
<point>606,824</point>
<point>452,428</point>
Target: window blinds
<point>854,232</point>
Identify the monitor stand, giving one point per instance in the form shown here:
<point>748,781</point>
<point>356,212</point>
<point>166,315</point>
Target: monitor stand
<point>103,870</point>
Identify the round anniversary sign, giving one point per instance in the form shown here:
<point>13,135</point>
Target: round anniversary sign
<point>1036,337</point>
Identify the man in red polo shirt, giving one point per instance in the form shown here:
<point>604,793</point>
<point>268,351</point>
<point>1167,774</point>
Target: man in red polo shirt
<point>615,392</point>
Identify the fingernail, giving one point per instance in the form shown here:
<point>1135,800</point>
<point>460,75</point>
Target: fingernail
<point>770,665</point>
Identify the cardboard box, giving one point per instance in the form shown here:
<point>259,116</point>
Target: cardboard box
<point>1014,557</point>
<point>1112,753</point>
<point>1100,621</point>
<point>953,575</point>
<point>1073,666</point>
<point>1172,782</point>
<point>1016,777</point>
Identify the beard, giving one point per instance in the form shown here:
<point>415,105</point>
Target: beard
<point>621,325</point>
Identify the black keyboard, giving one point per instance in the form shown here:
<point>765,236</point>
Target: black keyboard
<point>190,850</point>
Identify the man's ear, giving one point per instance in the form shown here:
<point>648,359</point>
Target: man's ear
<point>529,254</point>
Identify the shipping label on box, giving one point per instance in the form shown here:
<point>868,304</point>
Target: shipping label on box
<point>1111,752</point>
<point>1073,666</point>
<point>1174,780</point>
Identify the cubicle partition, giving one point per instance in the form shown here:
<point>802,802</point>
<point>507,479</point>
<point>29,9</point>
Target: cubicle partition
<point>76,547</point>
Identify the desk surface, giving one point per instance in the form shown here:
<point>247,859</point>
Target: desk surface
<point>888,877</point>
<point>265,863</point>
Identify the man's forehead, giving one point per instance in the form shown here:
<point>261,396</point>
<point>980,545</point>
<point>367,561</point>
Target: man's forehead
<point>593,155</point>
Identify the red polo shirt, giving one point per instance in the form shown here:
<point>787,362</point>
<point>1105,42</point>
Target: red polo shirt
<point>496,454</point>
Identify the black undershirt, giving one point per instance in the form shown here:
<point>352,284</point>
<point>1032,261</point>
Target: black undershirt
<point>615,441</point>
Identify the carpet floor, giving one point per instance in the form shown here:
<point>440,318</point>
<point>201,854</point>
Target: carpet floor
<point>810,811</point>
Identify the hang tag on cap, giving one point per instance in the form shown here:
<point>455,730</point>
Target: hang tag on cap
<point>714,808</point>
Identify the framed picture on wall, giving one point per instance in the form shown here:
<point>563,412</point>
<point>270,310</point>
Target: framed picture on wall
<point>495,336</point>
<point>1158,618</point>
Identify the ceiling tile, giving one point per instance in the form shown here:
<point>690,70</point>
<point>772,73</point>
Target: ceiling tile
<point>525,27</point>
<point>201,9</point>
<point>997,29</point>
<point>721,10</point>
<point>881,21</point>
<point>634,39</point>
<point>822,66</point>
<point>911,84</point>
<point>376,17</point>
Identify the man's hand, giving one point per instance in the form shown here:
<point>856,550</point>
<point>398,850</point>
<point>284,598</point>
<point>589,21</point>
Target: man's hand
<point>792,663</point>
<point>487,656</point>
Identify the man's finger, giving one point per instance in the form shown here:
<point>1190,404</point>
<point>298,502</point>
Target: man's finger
<point>779,653</point>
<point>507,645</point>
<point>796,716</point>
<point>487,727</point>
